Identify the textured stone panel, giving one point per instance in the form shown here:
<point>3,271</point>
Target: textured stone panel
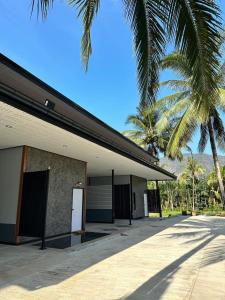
<point>65,172</point>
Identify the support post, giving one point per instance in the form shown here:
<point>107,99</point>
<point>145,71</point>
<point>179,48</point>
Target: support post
<point>113,198</point>
<point>131,201</point>
<point>159,199</point>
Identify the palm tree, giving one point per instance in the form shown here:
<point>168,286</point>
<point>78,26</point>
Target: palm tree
<point>183,104</point>
<point>212,182</point>
<point>192,172</point>
<point>193,26</point>
<point>145,132</point>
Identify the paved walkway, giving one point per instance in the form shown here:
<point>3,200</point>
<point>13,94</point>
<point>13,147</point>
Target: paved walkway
<point>177,258</point>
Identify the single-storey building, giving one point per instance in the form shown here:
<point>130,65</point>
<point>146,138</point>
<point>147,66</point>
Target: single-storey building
<point>60,166</point>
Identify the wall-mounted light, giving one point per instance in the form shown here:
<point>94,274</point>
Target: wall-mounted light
<point>49,104</point>
<point>78,184</point>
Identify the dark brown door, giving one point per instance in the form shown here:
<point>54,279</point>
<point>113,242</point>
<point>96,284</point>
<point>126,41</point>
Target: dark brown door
<point>34,201</point>
<point>153,201</point>
<point>122,201</point>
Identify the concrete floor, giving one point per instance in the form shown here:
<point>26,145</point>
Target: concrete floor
<point>177,258</point>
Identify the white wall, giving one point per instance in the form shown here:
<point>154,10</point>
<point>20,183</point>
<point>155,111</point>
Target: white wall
<point>10,167</point>
<point>139,185</point>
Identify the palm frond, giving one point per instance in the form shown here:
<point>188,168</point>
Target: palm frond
<point>221,99</point>
<point>178,63</point>
<point>134,134</point>
<point>136,120</point>
<point>219,131</point>
<point>176,84</point>
<point>166,102</point>
<point>204,136</point>
<point>42,6</point>
<point>178,109</point>
<point>195,26</point>
<point>87,10</point>
<point>183,131</point>
<point>146,19</point>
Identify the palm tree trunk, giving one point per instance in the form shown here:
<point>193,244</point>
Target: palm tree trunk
<point>216,160</point>
<point>188,199</point>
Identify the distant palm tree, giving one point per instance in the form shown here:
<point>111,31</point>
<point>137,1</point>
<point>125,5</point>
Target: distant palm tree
<point>212,182</point>
<point>145,132</point>
<point>192,172</point>
<point>193,26</point>
<point>183,104</point>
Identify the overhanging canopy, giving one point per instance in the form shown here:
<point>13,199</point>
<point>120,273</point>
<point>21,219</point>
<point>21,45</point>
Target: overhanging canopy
<point>20,128</point>
<point>67,130</point>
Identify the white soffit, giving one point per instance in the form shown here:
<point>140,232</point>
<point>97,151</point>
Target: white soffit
<point>19,128</point>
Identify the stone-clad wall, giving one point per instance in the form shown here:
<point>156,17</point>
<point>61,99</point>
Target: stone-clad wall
<point>64,174</point>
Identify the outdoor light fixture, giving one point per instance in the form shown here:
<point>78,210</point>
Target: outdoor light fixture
<point>49,104</point>
<point>78,184</point>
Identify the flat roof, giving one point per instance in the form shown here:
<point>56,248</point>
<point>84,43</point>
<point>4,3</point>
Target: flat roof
<point>25,92</point>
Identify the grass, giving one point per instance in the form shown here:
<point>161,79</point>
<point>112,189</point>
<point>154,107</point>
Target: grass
<point>216,211</point>
<point>166,213</point>
<point>212,212</point>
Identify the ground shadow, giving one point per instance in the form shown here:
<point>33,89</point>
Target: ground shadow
<point>210,235</point>
<point>155,287</point>
<point>63,264</point>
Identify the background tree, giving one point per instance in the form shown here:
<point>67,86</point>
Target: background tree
<point>192,173</point>
<point>192,25</point>
<point>213,185</point>
<point>183,104</point>
<point>146,134</point>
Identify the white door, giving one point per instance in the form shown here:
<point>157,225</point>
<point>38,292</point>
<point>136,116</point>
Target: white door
<point>77,210</point>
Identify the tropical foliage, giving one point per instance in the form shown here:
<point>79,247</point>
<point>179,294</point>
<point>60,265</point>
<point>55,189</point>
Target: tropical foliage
<point>192,25</point>
<point>145,132</point>
<point>182,105</point>
<point>178,195</point>
<point>190,176</point>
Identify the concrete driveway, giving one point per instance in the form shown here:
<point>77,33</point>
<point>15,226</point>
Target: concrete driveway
<point>177,258</point>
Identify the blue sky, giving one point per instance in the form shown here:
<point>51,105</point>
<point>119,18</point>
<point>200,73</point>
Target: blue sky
<point>50,49</point>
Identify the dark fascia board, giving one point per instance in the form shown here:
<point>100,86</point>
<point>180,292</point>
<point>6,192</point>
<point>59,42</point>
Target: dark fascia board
<point>55,119</point>
<point>17,68</point>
